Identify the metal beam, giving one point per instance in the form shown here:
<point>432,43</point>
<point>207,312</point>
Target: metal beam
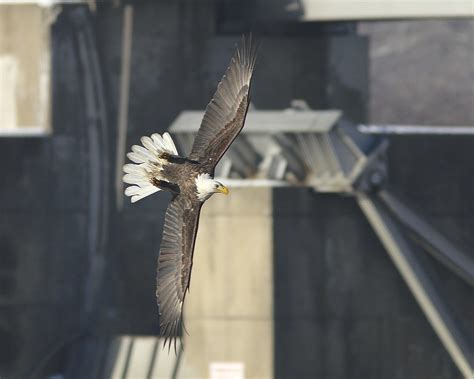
<point>434,242</point>
<point>267,122</point>
<point>449,332</point>
<point>417,129</point>
<point>305,147</point>
<point>127,31</point>
<point>318,10</point>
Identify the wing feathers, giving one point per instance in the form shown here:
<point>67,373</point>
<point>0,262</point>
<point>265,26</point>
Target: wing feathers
<point>174,264</point>
<point>222,121</point>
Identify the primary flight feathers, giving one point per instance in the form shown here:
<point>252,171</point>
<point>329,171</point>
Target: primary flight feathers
<point>157,166</point>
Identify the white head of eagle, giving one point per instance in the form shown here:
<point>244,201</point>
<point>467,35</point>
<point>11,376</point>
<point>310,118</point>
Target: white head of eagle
<point>158,166</point>
<point>206,186</point>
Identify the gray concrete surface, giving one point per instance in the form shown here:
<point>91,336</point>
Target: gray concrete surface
<point>421,71</point>
<point>25,71</point>
<point>229,310</point>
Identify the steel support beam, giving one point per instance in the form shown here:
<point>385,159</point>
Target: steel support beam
<point>417,129</point>
<point>449,332</point>
<point>434,242</point>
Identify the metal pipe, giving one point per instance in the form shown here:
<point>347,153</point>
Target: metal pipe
<point>123,102</point>
<point>419,283</point>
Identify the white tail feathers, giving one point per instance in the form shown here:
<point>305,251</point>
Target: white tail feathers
<point>147,165</point>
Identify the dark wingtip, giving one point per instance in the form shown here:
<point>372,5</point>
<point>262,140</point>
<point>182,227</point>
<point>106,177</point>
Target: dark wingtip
<point>175,341</point>
<point>172,332</point>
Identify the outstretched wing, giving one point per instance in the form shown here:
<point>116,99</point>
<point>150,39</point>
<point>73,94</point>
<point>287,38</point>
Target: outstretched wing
<point>225,114</point>
<point>175,262</point>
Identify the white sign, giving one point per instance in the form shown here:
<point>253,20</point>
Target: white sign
<point>226,370</point>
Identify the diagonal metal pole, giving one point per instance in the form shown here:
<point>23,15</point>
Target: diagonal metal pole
<point>435,243</point>
<point>449,332</point>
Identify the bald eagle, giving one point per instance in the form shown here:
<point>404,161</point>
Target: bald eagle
<point>158,166</point>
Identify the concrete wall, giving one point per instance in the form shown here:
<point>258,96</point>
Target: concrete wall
<point>229,310</point>
<point>341,308</point>
<point>421,71</point>
<point>24,67</point>
<point>43,226</point>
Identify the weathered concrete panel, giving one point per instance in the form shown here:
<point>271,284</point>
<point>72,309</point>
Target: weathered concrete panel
<point>338,296</point>
<point>24,66</point>
<point>231,339</point>
<point>26,181</point>
<point>68,109</point>
<point>137,254</point>
<point>229,310</point>
<point>421,72</point>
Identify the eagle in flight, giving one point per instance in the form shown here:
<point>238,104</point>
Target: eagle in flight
<point>157,166</point>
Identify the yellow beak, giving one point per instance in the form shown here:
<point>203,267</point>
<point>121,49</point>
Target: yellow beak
<point>223,189</point>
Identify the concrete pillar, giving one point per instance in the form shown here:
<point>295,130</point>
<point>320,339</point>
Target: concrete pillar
<point>24,67</point>
<point>229,310</point>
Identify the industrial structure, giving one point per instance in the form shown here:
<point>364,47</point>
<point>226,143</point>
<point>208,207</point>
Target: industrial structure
<point>346,246</point>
